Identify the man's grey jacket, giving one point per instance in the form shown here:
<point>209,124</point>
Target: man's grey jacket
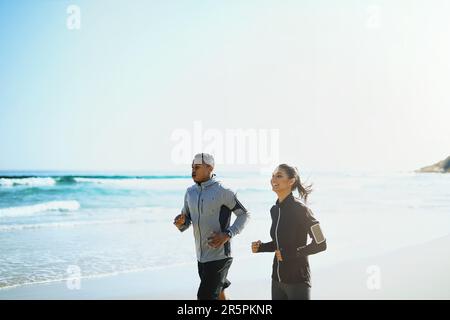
<point>208,208</point>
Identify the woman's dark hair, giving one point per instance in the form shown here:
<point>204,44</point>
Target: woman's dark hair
<point>292,173</point>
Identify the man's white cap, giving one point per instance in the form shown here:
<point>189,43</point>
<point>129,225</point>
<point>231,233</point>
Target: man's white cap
<point>204,158</point>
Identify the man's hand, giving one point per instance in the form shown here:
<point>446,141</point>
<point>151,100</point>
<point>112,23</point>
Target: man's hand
<point>255,246</point>
<point>179,220</point>
<point>217,239</point>
<point>278,255</point>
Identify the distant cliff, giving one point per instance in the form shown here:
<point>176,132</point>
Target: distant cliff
<point>441,166</point>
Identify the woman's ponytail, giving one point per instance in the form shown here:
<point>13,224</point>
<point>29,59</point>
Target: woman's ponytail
<point>292,173</point>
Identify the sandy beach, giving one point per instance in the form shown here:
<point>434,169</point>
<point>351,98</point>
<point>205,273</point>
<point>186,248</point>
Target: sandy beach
<point>115,119</point>
<point>417,272</point>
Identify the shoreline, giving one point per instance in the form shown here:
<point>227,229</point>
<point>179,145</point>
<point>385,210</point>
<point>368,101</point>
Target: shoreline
<point>414,272</point>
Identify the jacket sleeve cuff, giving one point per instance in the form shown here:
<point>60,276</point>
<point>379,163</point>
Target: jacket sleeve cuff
<point>229,232</point>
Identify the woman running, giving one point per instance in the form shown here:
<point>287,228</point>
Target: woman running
<point>292,222</point>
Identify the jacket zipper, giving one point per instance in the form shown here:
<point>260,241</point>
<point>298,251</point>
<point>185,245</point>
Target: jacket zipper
<point>278,245</point>
<point>199,231</point>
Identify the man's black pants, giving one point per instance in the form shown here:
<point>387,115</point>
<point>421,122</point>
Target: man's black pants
<point>213,278</point>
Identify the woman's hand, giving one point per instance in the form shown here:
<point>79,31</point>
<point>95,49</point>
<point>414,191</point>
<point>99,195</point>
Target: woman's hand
<point>278,255</point>
<point>255,246</point>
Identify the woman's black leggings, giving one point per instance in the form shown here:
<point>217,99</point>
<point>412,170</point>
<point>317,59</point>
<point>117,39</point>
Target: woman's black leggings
<point>290,291</point>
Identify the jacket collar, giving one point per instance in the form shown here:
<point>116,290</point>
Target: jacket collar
<point>286,201</point>
<point>207,183</point>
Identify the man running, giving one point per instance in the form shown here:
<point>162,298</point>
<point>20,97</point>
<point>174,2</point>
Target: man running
<point>208,206</point>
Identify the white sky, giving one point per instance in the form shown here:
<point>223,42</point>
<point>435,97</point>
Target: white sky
<point>351,85</point>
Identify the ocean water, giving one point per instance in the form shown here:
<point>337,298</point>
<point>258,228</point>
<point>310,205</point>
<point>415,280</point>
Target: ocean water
<point>109,224</point>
